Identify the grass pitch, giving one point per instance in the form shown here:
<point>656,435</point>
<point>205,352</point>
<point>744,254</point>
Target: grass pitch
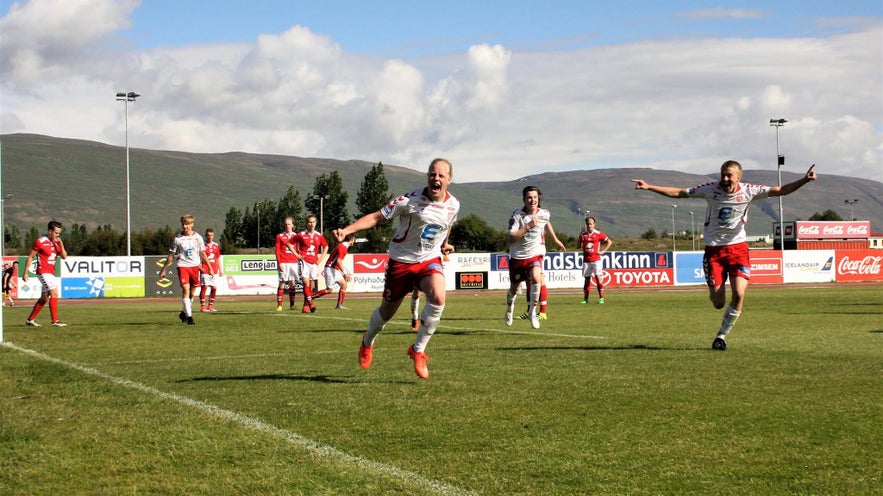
<point>621,398</point>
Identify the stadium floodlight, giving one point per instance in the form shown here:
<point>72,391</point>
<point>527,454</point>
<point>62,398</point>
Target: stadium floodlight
<point>673,247</point>
<point>851,203</point>
<point>128,97</point>
<point>692,232</point>
<point>780,161</point>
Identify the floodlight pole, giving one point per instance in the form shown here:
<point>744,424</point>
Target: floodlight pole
<point>851,203</point>
<point>673,247</point>
<point>692,232</point>
<point>780,161</point>
<point>128,97</point>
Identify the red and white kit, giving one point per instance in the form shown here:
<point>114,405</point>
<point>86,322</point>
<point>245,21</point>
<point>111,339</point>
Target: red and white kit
<point>727,213</point>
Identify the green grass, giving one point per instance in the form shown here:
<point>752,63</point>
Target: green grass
<point>624,398</point>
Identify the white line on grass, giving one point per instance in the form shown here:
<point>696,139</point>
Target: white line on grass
<point>302,442</point>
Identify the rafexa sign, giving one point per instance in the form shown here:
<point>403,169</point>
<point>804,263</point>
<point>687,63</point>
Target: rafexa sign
<point>859,265</point>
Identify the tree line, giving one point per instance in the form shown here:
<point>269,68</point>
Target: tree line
<point>254,227</point>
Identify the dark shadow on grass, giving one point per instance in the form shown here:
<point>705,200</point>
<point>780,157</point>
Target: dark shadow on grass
<point>594,348</point>
<point>324,379</point>
<point>276,377</point>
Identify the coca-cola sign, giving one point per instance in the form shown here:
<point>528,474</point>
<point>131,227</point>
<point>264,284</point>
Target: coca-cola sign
<point>859,265</point>
<point>833,230</point>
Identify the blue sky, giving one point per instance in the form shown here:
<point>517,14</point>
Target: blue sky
<point>417,28</point>
<point>502,88</point>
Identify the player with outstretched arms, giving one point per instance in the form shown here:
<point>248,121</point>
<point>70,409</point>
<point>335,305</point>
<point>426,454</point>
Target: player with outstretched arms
<point>425,217</point>
<point>726,250</point>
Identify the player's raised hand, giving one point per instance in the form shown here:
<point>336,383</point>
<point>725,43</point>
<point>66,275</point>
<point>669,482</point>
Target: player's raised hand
<point>640,184</point>
<point>811,174</point>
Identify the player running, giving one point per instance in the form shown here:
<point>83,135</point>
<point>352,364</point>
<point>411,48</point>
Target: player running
<point>528,227</point>
<point>726,251</point>
<point>415,258</point>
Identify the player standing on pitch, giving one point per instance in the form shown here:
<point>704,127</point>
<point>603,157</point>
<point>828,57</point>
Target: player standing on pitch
<point>312,246</point>
<point>209,274</point>
<point>47,249</point>
<point>188,248</point>
<point>590,243</point>
<point>415,258</point>
<point>726,251</point>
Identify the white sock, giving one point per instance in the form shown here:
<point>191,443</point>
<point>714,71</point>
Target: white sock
<point>375,325</point>
<point>429,320</point>
<point>188,306</point>
<point>728,322</point>
<point>534,298</point>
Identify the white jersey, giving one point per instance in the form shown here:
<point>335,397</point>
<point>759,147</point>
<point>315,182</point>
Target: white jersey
<point>533,243</point>
<point>423,225</point>
<point>727,213</point>
<point>187,249</point>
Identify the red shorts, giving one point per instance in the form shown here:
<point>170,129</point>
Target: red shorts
<point>402,278</point>
<point>519,270</point>
<point>720,261</point>
<point>189,275</point>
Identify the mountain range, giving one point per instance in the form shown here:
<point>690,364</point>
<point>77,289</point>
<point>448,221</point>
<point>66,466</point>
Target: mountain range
<point>76,181</point>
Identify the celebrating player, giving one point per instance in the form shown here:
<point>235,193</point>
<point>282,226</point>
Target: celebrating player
<point>726,251</point>
<point>47,249</point>
<point>415,258</point>
<point>528,227</point>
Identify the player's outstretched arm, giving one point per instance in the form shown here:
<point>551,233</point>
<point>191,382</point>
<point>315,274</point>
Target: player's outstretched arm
<point>365,222</point>
<point>787,189</point>
<point>669,191</point>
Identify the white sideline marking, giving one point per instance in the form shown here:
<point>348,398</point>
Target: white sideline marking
<point>302,442</point>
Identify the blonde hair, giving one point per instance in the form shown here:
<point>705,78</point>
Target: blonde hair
<point>450,165</point>
<point>186,219</point>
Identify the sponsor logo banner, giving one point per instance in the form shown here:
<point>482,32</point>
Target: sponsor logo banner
<point>689,268</point>
<point>808,266</point>
<point>102,287</point>
<point>248,265</point>
<point>369,263</point>
<point>168,286</point>
<point>102,266</point>
<point>859,265</point>
<point>766,268</point>
<point>472,261</point>
<point>471,280</point>
<point>833,229</point>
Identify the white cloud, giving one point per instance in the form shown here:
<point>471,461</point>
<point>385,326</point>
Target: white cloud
<point>498,114</point>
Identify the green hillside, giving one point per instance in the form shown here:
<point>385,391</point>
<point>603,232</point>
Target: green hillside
<point>84,182</point>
